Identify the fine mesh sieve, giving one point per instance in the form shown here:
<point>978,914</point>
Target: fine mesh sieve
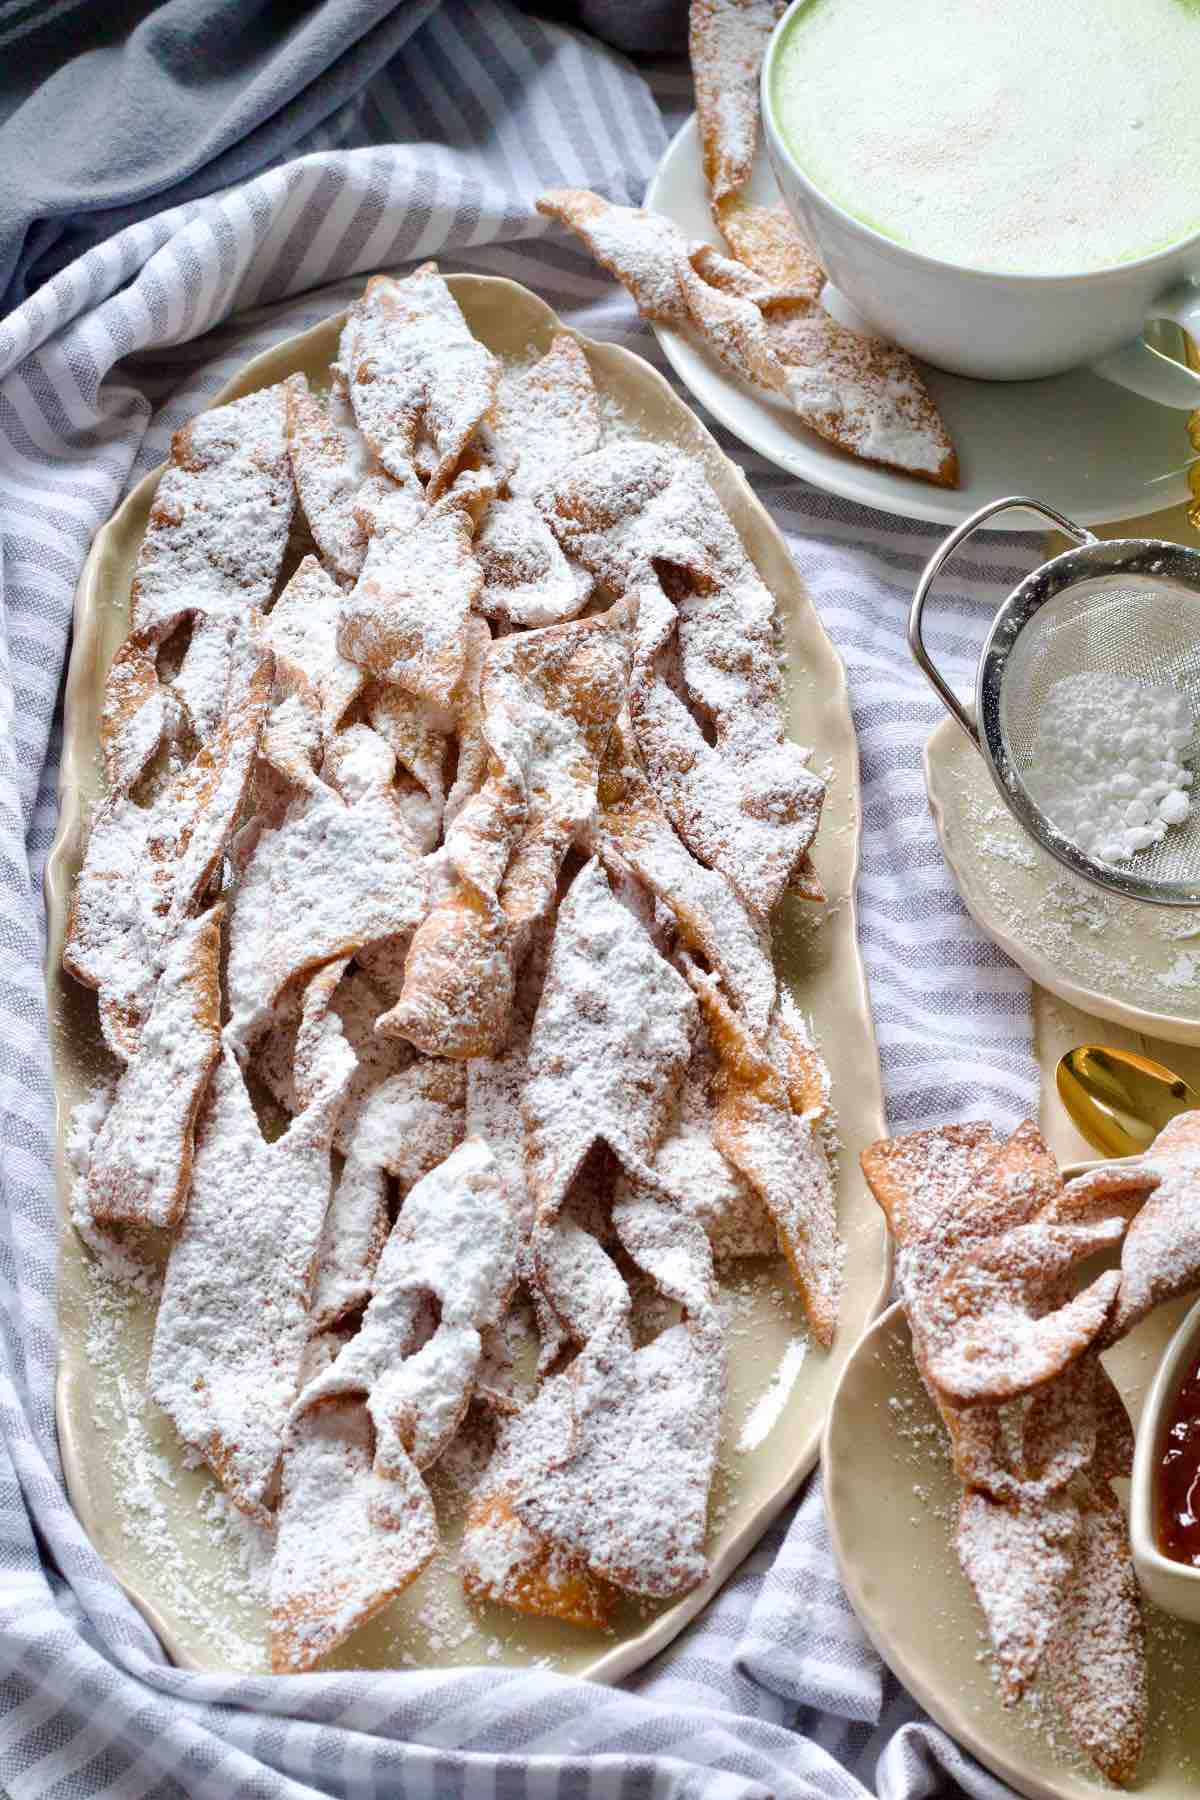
<point>1128,607</point>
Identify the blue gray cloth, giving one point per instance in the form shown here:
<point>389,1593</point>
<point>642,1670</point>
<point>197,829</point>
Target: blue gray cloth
<point>197,95</point>
<point>111,111</point>
<point>773,1690</point>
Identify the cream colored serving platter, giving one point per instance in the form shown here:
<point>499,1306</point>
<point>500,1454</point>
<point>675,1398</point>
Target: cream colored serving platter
<point>195,1569</point>
<point>892,1500</point>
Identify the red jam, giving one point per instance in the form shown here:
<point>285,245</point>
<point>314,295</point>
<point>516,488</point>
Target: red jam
<point>1177,1489</point>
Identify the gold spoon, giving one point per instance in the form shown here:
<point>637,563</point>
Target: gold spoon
<point>1119,1100</point>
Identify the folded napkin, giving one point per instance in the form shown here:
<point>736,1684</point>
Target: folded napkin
<point>773,1690</point>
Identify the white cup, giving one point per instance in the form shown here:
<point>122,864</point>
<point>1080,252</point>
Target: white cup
<point>997,327</point>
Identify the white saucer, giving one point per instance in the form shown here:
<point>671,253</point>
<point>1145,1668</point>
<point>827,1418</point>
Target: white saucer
<point>1115,959</point>
<point>1092,450</point>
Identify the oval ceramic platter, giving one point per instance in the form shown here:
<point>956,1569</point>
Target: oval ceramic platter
<point>192,1565</point>
<point>1117,959</point>
<point>1093,450</point>
<point>893,1500</point>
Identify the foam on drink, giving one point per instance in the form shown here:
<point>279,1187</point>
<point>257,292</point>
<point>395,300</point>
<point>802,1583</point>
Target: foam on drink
<point>1044,137</point>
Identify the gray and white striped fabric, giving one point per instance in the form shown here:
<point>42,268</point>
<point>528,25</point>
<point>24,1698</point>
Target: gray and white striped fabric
<point>774,1690</point>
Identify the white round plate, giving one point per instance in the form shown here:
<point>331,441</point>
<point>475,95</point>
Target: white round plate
<point>1093,450</point>
<point>1123,960</point>
<point>892,1500</point>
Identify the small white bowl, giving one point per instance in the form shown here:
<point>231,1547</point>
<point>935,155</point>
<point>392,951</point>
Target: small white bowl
<point>1172,1585</point>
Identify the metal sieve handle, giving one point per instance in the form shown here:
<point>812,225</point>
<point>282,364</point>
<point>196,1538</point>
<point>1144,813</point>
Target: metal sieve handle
<point>934,567</point>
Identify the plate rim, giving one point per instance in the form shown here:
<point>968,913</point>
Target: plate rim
<point>613,1664</point>
<point>834,472</point>
<point>1171,1026</point>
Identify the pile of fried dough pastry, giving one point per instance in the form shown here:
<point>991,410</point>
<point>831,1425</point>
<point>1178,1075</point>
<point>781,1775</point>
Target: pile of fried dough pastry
<point>988,1236</point>
<point>758,310</point>
<point>448,808</point>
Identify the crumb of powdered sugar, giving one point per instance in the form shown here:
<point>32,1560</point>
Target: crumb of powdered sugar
<point>206,1591</point>
<point>1008,850</point>
<point>616,423</point>
<point>85,1121</point>
<point>446,1625</point>
<point>1177,926</point>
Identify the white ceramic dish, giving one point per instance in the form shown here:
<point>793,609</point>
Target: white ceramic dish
<point>1117,959</point>
<point>1093,450</point>
<point>1172,1585</point>
<point>892,1499</point>
<point>160,1524</point>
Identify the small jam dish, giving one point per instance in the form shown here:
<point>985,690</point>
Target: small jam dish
<point>1172,1585</point>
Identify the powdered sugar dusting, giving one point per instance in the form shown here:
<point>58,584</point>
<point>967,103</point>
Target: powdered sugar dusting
<point>1093,940</point>
<point>727,41</point>
<point>233,1322</point>
<point>219,524</point>
<point>547,414</point>
<point>414,369</point>
<point>744,802</point>
<point>330,462</point>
